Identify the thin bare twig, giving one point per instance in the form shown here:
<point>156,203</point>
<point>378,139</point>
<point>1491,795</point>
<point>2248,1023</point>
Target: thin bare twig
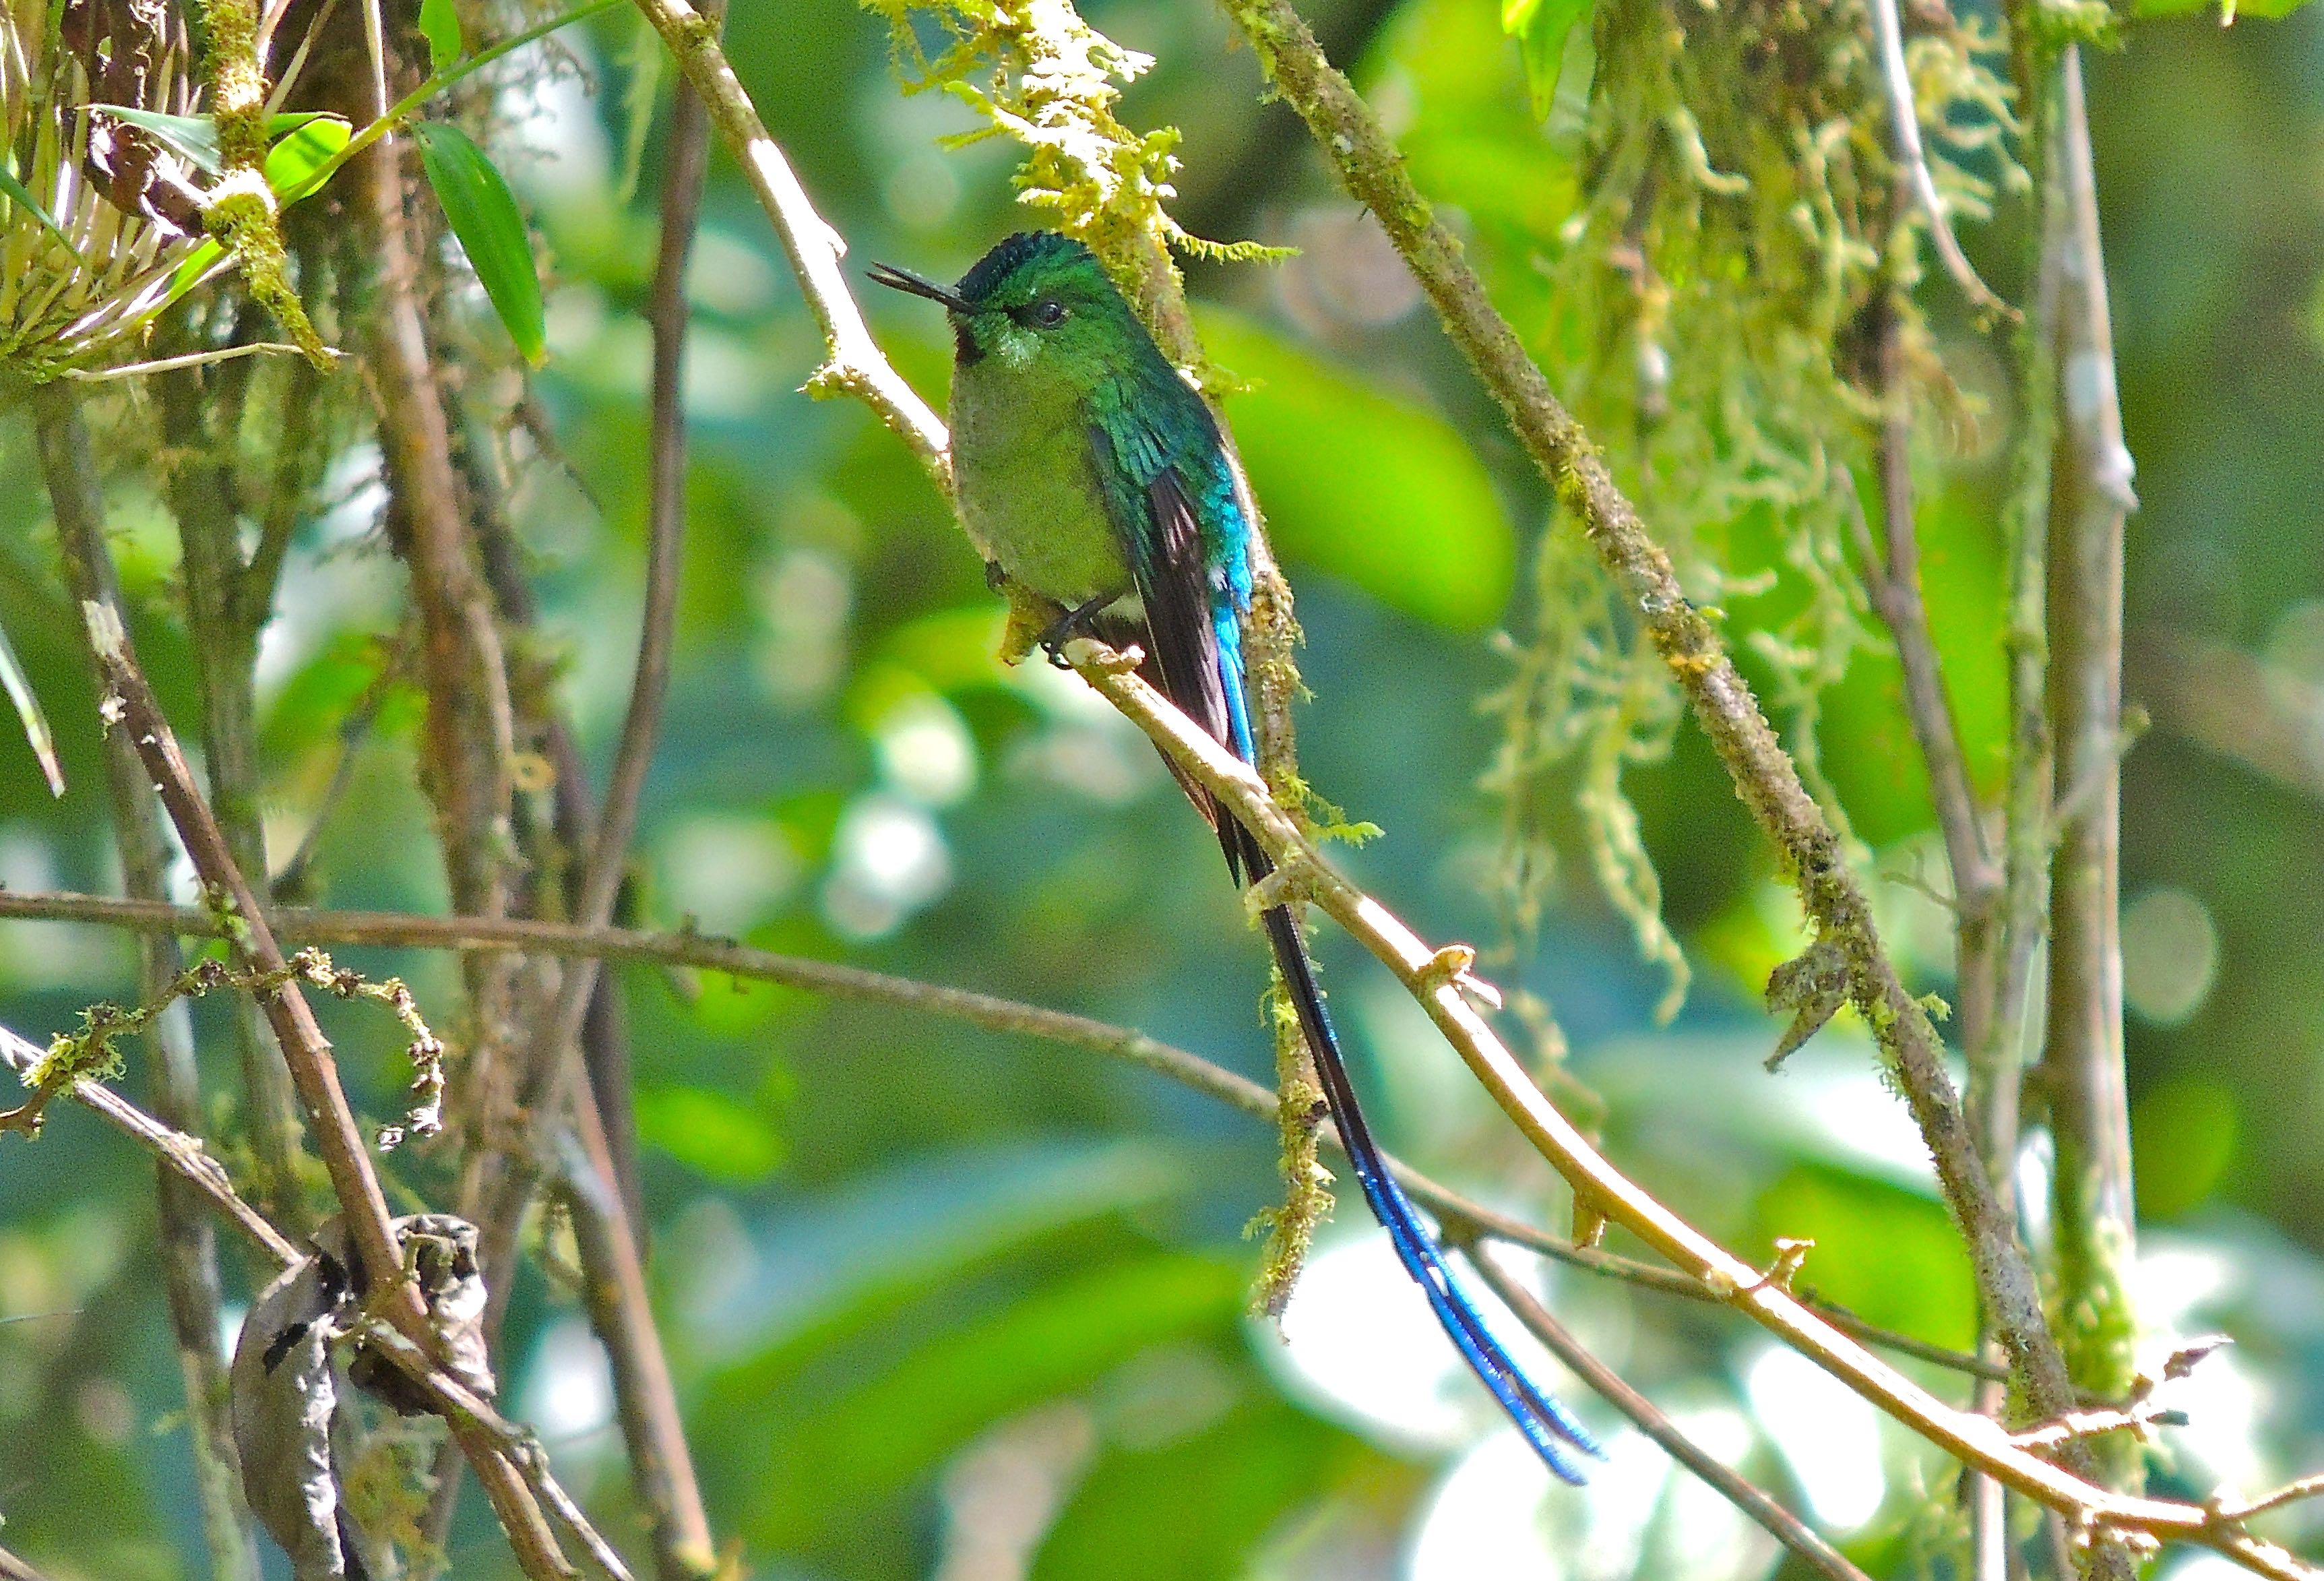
<point>390,929</point>
<point>856,365</point>
<point>313,1071</point>
<point>1373,172</point>
<point>183,1155</point>
<point>13,1568</point>
<point>1904,131</point>
<point>1779,1522</point>
<point>224,630</point>
<point>653,1429</point>
<point>189,1271</point>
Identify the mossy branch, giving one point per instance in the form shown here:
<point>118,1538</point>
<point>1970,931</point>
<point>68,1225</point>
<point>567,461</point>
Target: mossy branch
<point>1373,172</point>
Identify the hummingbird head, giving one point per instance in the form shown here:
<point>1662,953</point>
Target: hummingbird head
<point>1039,299</point>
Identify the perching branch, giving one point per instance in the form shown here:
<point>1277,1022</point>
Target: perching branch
<point>1373,172</point>
<point>855,365</point>
<point>1434,980</point>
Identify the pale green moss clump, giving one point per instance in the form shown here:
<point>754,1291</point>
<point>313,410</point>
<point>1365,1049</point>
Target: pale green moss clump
<point>1740,248</point>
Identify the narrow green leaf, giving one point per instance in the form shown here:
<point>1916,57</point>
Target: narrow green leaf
<point>193,138</point>
<point>304,149</point>
<point>1542,28</point>
<point>28,710</point>
<point>484,215</point>
<point>16,192</point>
<point>439,21</point>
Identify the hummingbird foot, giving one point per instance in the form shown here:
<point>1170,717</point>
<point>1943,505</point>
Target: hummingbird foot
<point>1073,623</point>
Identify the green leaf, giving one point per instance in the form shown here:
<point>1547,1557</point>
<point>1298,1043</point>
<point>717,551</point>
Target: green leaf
<point>1541,28</point>
<point>19,688</point>
<point>484,215</point>
<point>194,139</point>
<point>16,192</point>
<point>710,1134</point>
<point>302,151</point>
<point>439,21</point>
<point>1376,489</point>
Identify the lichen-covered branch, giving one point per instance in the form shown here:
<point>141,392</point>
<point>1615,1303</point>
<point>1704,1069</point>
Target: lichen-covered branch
<point>1368,163</point>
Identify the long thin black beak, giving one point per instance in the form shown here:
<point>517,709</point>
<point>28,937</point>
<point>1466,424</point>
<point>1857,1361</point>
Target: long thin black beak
<point>904,280</point>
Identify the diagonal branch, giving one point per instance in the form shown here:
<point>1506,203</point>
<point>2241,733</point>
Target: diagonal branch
<point>1780,1523</point>
<point>1372,171</point>
<point>187,1156</point>
<point>1435,979</point>
<point>398,929</point>
<point>855,365</point>
<point>131,708</point>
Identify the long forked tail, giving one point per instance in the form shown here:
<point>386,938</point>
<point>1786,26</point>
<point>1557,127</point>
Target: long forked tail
<point>1546,1425</point>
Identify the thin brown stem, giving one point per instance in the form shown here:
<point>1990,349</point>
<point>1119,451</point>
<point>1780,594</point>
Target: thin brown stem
<point>395,930</point>
<point>314,1073</point>
<point>1436,979</point>
<point>652,1428</point>
<point>182,1155</point>
<point>854,364</point>
<point>189,1244</point>
<point>1771,1517</point>
<point>225,638</point>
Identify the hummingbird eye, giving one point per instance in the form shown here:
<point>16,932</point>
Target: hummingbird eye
<point>1048,312</point>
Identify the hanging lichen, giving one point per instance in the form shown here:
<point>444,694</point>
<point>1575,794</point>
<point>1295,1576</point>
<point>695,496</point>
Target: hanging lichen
<point>1035,72</point>
<point>1741,219</point>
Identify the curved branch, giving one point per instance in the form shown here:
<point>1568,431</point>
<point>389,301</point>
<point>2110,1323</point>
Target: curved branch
<point>1435,978</point>
<point>856,365</point>
<point>1372,171</point>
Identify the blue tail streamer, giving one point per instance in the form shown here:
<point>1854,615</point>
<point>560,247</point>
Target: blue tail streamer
<point>1547,1425</point>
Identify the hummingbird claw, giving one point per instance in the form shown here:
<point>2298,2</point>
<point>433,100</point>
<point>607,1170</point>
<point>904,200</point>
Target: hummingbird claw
<point>1073,623</point>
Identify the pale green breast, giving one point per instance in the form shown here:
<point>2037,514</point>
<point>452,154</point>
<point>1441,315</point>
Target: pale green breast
<point>1029,494</point>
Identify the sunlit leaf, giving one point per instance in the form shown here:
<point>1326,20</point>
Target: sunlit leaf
<point>1541,28</point>
<point>28,713</point>
<point>440,23</point>
<point>483,214</point>
<point>299,153</point>
<point>194,139</point>
<point>1363,484</point>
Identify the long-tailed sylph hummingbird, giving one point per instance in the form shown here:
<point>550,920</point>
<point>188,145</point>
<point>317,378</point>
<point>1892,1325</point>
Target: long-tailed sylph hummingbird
<point>1089,472</point>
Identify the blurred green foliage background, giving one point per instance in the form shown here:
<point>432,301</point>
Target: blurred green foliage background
<point>953,1305</point>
